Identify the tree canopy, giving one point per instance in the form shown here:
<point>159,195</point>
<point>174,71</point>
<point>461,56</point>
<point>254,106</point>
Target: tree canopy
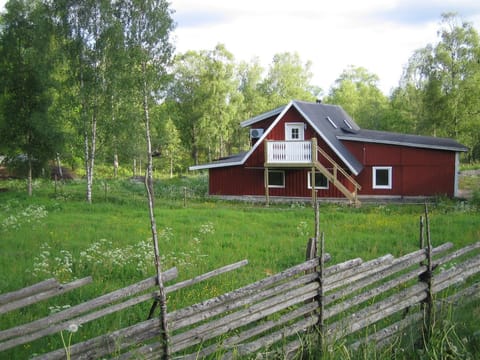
<point>86,84</point>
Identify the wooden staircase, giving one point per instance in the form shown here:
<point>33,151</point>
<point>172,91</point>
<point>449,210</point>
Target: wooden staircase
<point>333,177</point>
<point>307,154</point>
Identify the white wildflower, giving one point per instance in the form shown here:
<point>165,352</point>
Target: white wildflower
<point>73,328</point>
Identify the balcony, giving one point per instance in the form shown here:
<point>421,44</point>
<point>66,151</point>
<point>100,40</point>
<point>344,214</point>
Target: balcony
<point>290,153</point>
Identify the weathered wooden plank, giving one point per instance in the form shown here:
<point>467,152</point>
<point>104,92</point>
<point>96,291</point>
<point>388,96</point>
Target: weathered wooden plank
<point>380,337</point>
<point>113,308</point>
<point>465,296</point>
<point>28,291</point>
<point>397,265</point>
<point>49,325</point>
<point>44,295</point>
<point>270,339</point>
<point>383,336</point>
<point>331,270</point>
<point>207,275</point>
<point>293,348</point>
<point>95,315</point>
<point>371,293</point>
<point>230,342</point>
<point>376,312</point>
<point>263,327</point>
<point>455,275</point>
<point>240,318</point>
<point>456,254</point>
<point>176,321</point>
<point>351,275</point>
<point>441,248</point>
<point>107,344</point>
<point>245,291</point>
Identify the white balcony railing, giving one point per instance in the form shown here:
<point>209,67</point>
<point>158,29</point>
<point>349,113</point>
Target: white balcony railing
<point>292,152</point>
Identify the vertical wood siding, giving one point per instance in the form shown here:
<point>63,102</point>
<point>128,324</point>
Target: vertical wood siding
<point>416,171</point>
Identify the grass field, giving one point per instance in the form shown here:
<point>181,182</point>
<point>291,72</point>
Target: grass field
<point>56,233</point>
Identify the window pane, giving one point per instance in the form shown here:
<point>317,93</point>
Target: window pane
<point>295,133</point>
<point>381,177</point>
<point>275,178</point>
<point>321,182</point>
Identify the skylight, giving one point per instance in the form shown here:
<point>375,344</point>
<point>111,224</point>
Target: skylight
<point>347,123</point>
<point>331,122</point>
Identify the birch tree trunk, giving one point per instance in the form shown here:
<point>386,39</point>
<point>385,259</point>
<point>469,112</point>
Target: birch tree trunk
<point>29,177</point>
<point>90,146</point>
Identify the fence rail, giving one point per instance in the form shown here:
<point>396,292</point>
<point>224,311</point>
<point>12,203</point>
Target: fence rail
<point>273,313</point>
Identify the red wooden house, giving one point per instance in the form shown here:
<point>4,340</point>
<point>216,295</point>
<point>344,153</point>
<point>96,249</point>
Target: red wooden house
<point>302,144</point>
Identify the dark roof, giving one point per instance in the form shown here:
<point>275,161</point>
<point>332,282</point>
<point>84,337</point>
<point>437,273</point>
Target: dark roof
<point>261,117</point>
<point>328,121</point>
<point>391,138</point>
<point>333,125</point>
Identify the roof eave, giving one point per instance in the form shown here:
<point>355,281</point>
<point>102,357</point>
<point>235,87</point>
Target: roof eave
<point>263,116</point>
<point>213,165</point>
<point>400,143</point>
<point>282,112</point>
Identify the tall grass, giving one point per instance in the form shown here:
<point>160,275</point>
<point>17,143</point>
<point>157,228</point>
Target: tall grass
<point>56,233</point>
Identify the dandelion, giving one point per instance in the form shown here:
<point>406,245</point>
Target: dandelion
<point>73,328</point>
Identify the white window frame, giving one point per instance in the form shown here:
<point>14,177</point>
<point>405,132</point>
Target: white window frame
<point>283,178</point>
<point>317,173</point>
<point>374,177</point>
<point>288,131</point>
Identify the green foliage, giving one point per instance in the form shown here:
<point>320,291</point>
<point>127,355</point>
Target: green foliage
<point>439,90</point>
<point>356,90</point>
<point>57,234</point>
<point>287,79</point>
<point>27,59</point>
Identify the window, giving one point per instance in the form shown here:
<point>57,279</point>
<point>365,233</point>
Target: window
<point>382,177</point>
<point>294,131</point>
<point>321,181</point>
<point>331,122</point>
<point>347,123</point>
<point>276,178</point>
<point>295,134</point>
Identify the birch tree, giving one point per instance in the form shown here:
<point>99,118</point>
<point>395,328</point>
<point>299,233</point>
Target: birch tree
<point>87,26</point>
<point>147,25</point>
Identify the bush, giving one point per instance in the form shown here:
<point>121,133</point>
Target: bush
<point>475,201</point>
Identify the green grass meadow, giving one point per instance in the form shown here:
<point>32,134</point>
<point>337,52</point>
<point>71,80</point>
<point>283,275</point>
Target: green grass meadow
<point>55,233</point>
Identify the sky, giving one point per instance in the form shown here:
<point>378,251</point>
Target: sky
<point>379,35</point>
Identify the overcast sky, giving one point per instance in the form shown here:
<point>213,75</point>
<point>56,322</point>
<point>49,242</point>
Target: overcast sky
<point>379,35</point>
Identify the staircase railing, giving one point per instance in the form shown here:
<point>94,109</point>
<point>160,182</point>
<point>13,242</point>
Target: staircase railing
<point>333,177</point>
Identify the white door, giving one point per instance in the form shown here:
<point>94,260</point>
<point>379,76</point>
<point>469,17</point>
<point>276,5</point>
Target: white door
<point>294,132</point>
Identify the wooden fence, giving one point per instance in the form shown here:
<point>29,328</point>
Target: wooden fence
<point>275,314</point>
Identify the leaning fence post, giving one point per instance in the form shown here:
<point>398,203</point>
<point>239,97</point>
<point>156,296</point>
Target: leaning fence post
<point>321,327</point>
<point>427,278</point>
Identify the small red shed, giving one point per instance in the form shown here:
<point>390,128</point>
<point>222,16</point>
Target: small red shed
<point>308,149</point>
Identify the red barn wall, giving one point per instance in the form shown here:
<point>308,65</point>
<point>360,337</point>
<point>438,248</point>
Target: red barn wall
<point>249,179</point>
<point>236,180</point>
<point>415,171</point>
